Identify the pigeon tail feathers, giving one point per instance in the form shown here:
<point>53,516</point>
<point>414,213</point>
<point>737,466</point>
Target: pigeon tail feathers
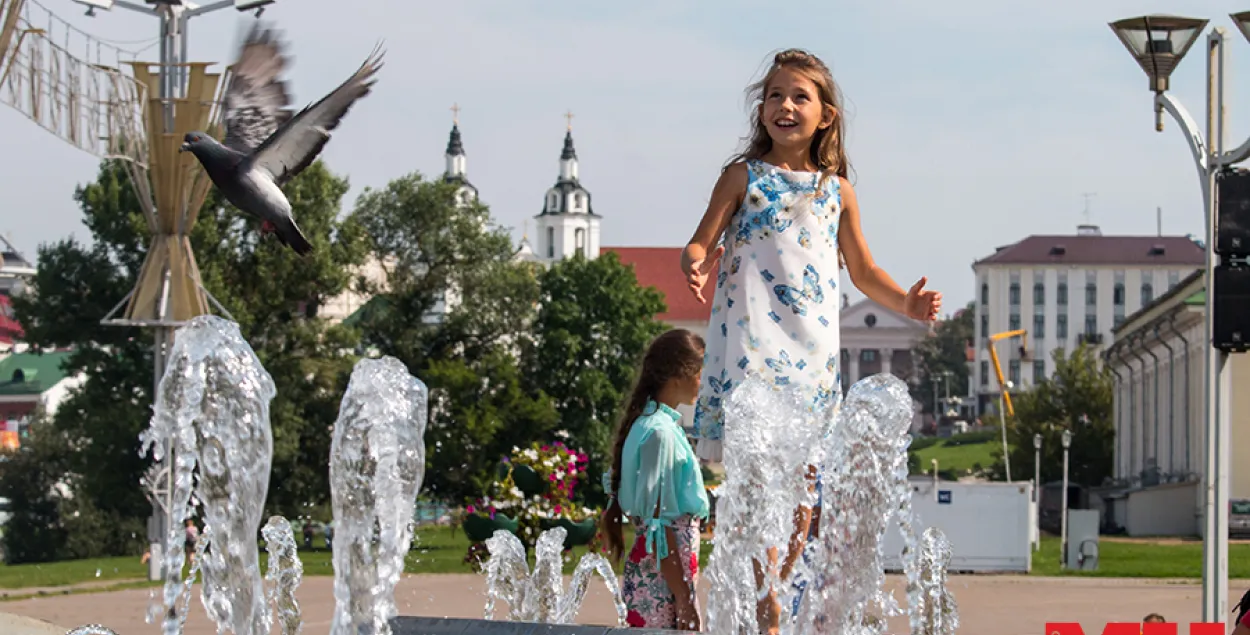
<point>291,236</point>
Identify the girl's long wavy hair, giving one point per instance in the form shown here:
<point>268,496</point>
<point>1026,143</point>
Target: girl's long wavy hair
<point>828,149</point>
<point>674,355</point>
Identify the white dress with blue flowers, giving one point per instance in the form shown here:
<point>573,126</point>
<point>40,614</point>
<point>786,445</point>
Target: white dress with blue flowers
<point>775,311</point>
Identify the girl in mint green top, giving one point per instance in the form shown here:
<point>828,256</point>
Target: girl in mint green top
<point>655,481</point>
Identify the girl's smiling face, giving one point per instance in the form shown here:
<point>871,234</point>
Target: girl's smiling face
<point>792,111</point>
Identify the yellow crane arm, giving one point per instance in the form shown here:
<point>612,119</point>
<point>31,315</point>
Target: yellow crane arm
<point>998,368</point>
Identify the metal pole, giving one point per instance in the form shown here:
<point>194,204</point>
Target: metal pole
<point>1063,516</point>
<point>1037,496</point>
<point>1002,415</point>
<point>1215,512</point>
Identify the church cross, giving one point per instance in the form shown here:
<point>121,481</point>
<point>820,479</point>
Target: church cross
<point>568,117</point>
<point>455,114</point>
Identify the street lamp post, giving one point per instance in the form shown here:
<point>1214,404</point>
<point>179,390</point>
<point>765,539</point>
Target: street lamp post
<point>1063,496</point>
<point>1158,43</point>
<point>1002,416</point>
<point>173,74</point>
<point>1037,489</point>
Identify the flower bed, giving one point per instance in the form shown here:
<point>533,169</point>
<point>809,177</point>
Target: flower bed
<point>534,493</point>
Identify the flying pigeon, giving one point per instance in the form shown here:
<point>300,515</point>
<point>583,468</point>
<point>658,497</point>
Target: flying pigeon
<point>265,147</point>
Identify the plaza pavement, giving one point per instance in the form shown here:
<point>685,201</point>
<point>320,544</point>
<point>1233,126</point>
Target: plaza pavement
<point>989,604</point>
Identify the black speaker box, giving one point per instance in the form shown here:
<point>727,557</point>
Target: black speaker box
<point>1231,330</point>
<point>1232,229</point>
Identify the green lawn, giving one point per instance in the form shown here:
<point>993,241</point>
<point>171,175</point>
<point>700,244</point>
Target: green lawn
<point>435,551</point>
<point>1142,559</point>
<point>957,458</point>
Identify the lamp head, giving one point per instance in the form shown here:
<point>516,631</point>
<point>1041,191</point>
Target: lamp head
<point>1158,43</point>
<point>1037,442</point>
<point>1067,439</point>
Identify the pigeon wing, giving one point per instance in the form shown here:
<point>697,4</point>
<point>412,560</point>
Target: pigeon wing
<point>256,102</point>
<point>298,141</point>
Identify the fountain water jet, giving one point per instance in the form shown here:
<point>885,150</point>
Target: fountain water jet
<point>377,463</point>
<point>213,406</point>
<point>285,572</point>
<point>539,597</point>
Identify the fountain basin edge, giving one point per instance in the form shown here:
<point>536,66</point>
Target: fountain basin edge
<point>405,625</point>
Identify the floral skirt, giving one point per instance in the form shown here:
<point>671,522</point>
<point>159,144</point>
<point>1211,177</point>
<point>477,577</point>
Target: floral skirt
<point>647,597</point>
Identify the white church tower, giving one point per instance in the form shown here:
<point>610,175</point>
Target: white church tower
<point>457,166</point>
<point>567,224</point>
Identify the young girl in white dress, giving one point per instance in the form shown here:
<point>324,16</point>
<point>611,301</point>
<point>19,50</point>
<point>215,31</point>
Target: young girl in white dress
<point>781,222</point>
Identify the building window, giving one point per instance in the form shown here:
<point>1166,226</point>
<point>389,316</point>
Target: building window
<point>985,373</point>
<point>985,294</point>
<point>1039,294</point>
<point>552,203</point>
<point>1147,293</point>
<point>1013,322</point>
<point>1039,326</point>
<point>579,201</point>
<point>1091,295</point>
<point>1013,371</point>
<point>1117,320</point>
<point>1117,294</point>
<point>1091,325</point>
<point>551,242</point>
<point>1013,294</point>
<point>1061,294</point>
<point>579,241</point>
<point>1061,327</point>
<point>1039,370</point>
<point>1174,278</point>
<point>868,355</point>
<point>985,326</point>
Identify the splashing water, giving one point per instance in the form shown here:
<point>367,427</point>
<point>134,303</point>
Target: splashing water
<point>938,611</point>
<point>285,572</point>
<point>377,463</point>
<point>540,597</point>
<point>769,446</point>
<point>91,629</point>
<point>837,583</point>
<point>213,405</point>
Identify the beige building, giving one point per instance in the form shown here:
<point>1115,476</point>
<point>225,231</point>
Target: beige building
<point>1156,356</point>
<point>1063,290</point>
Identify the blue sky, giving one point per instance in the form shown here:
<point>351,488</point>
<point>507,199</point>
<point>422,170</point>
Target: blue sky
<point>972,123</point>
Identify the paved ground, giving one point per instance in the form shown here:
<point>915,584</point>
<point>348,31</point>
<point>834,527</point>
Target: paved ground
<point>989,605</point>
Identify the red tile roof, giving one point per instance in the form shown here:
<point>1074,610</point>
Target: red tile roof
<point>660,267</point>
<point>10,330</point>
<point>1099,250</point>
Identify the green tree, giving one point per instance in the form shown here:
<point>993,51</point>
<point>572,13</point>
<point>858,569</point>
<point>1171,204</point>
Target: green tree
<point>456,309</point>
<point>593,326</point>
<point>269,290</point>
<point>943,358</point>
<point>1076,397</point>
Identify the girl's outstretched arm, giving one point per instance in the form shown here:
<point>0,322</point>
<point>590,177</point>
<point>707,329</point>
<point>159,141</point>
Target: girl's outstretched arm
<point>727,195</point>
<point>871,279</point>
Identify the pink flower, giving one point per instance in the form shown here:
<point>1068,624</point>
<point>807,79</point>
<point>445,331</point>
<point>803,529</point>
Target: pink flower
<point>469,509</point>
<point>557,509</point>
<point>552,478</point>
<point>545,448</point>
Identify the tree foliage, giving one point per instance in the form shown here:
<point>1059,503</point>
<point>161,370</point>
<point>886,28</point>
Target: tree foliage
<point>1076,397</point>
<point>455,307</point>
<point>593,326</point>
<point>269,291</point>
<point>945,351</point>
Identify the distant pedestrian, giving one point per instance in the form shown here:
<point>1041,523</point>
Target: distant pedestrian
<point>191,539</point>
